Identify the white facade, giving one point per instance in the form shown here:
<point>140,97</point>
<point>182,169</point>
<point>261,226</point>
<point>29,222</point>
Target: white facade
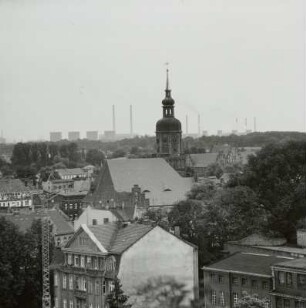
<point>92,217</point>
<point>159,253</point>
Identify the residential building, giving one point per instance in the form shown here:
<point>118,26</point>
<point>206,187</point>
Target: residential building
<point>97,254</point>
<point>70,174</point>
<point>72,136</point>
<point>55,136</point>
<point>289,284</point>
<point>92,216</point>
<point>92,135</point>
<point>144,182</point>
<point>14,194</point>
<point>226,281</point>
<point>57,185</point>
<point>70,202</point>
<point>200,162</point>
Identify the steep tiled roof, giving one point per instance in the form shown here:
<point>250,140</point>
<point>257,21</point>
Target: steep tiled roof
<point>203,159</point>
<point>247,263</point>
<point>163,184</point>
<point>62,226</point>
<point>12,186</point>
<point>117,238</point>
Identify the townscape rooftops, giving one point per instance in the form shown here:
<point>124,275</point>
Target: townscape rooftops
<point>164,186</point>
<point>13,186</point>
<point>247,263</point>
<point>116,238</point>
<point>203,160</point>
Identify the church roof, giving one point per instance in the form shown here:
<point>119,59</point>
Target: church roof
<point>168,124</point>
<point>163,184</point>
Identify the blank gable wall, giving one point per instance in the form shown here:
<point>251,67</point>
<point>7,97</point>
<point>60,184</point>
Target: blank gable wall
<point>159,253</point>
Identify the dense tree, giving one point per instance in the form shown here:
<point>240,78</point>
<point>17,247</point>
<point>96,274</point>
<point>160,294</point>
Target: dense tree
<point>117,298</point>
<point>95,157</point>
<point>277,176</point>
<point>161,292</point>
<point>251,301</point>
<point>118,153</point>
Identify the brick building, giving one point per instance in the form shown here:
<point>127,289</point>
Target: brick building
<point>226,281</point>
<point>289,280</point>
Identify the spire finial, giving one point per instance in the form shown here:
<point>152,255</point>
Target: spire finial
<point>167,76</point>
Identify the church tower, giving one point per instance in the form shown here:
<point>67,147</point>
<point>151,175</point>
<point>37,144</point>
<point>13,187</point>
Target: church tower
<point>168,129</point>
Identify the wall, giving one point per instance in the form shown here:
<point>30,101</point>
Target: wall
<point>159,253</point>
<point>89,214</point>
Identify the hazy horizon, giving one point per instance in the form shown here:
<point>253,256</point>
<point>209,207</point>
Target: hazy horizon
<point>64,64</point>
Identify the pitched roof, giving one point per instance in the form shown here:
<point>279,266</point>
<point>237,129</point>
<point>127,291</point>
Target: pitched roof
<point>247,263</point>
<point>62,226</point>
<point>116,238</point>
<point>73,171</point>
<point>12,186</point>
<point>163,184</point>
<point>294,264</point>
<point>203,159</point>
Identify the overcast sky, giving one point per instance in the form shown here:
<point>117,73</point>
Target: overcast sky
<point>64,63</point>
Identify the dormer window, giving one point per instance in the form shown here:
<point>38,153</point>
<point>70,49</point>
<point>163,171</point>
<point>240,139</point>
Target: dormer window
<point>167,189</point>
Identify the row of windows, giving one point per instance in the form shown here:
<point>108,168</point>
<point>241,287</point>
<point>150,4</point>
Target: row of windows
<point>15,203</point>
<point>286,279</point>
<point>70,206</point>
<point>82,283</point>
<point>253,283</point>
<point>220,299</point>
<point>71,304</point>
<point>285,303</point>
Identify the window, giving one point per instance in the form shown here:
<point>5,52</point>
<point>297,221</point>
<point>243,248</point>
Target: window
<point>69,259</point>
<point>288,279</point>
<point>235,280</point>
<point>235,298</point>
<point>267,304</point>
<point>56,302</point>
<point>286,303</point>
<point>89,286</point>
<point>213,297</point>
<point>82,261</point>
<point>64,281</point>
<point>281,278</point>
<point>222,301</point>
<point>104,286</point>
<point>105,220</point>
<point>71,304</point>
<point>76,260</point>
<point>299,304</point>
<point>301,281</point>
<point>97,287</point>
<point>221,279</point>
<point>212,277</point>
<point>94,222</point>
<point>111,286</point>
<point>64,303</point>
<point>254,284</point>
<point>95,261</point>
<point>244,281</point>
<point>71,282</point>
<point>55,279</point>
<point>265,285</point>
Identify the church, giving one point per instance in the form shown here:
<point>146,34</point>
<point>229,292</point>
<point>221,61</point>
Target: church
<point>135,185</point>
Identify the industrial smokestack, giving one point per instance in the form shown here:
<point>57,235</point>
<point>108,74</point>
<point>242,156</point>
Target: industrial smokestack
<point>114,119</point>
<point>254,124</point>
<point>131,120</point>
<point>199,125</point>
<point>186,124</point>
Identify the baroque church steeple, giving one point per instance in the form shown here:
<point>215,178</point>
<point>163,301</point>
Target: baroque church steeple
<point>168,129</point>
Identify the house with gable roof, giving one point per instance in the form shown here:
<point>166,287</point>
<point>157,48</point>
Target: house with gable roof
<point>97,254</point>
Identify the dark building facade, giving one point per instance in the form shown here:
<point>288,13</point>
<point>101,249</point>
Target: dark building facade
<point>289,280</point>
<point>226,281</point>
<point>168,129</point>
